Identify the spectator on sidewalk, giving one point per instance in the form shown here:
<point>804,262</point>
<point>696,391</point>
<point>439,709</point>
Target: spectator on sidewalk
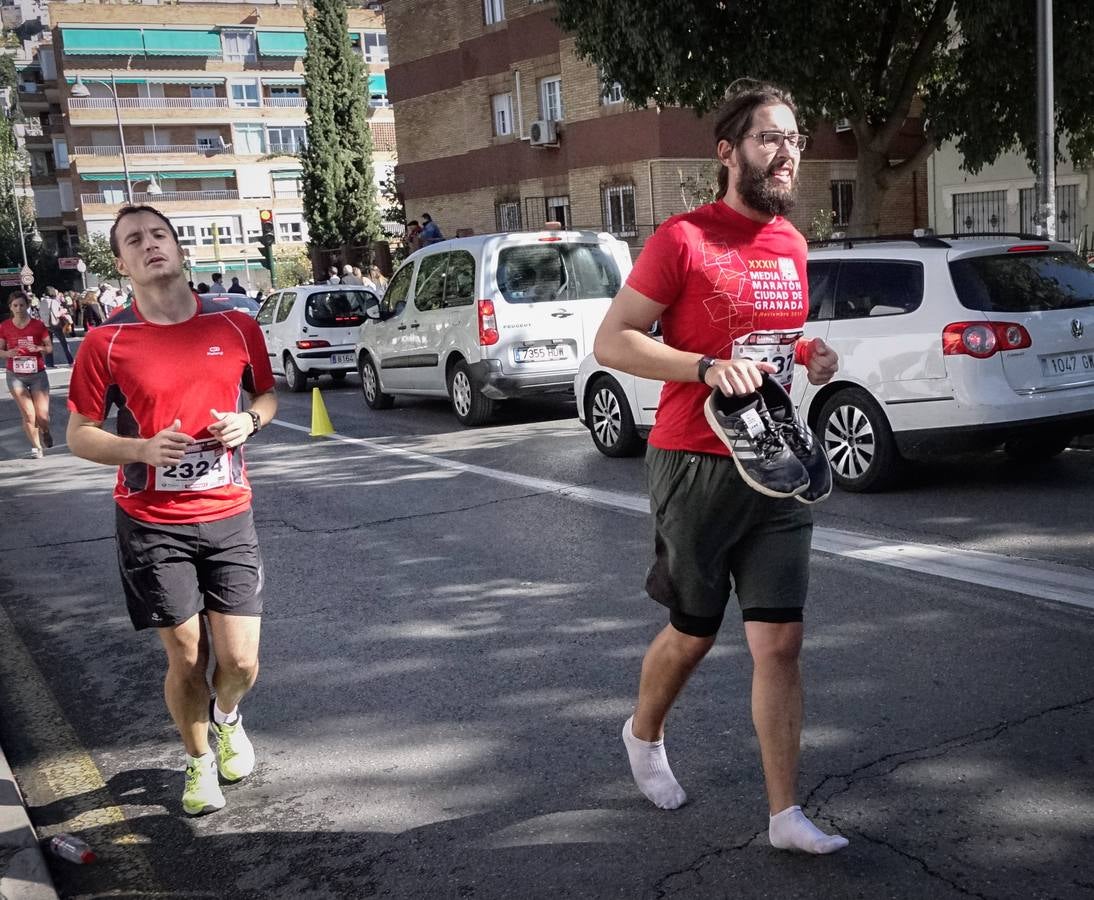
<point>350,275</point>
<point>431,234</point>
<point>54,317</point>
<point>236,287</point>
<point>92,311</point>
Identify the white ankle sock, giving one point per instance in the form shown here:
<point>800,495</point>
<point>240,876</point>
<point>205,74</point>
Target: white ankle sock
<point>650,768</point>
<point>222,717</point>
<point>791,830</point>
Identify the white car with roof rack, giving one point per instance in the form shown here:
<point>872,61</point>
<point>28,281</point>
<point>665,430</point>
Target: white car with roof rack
<point>490,317</point>
<point>947,344</point>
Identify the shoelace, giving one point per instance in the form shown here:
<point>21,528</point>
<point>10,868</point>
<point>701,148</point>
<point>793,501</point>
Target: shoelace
<point>768,444</point>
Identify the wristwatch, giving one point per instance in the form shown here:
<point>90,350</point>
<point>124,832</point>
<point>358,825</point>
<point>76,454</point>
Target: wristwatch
<point>704,364</point>
<point>255,420</point>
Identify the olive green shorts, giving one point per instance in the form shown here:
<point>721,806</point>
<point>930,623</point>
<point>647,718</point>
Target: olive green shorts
<point>715,536</point>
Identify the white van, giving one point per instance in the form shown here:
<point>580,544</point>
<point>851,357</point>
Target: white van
<point>312,329</point>
<point>490,317</point>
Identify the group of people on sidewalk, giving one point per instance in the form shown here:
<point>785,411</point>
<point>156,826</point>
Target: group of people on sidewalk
<point>189,559</point>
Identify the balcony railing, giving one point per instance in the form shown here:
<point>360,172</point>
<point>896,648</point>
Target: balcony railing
<point>165,197</point>
<point>149,103</point>
<point>32,129</point>
<point>282,102</point>
<point>136,149</point>
<point>286,149</point>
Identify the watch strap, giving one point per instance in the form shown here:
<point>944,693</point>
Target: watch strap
<point>704,365</point>
<point>255,420</point>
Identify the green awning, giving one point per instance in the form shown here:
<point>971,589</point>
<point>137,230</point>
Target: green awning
<point>283,82</point>
<point>178,42</point>
<point>377,84</point>
<point>87,79</point>
<point>287,175</point>
<point>225,265</point>
<point>281,43</point>
<point>115,176</point>
<point>214,173</point>
<point>102,41</point>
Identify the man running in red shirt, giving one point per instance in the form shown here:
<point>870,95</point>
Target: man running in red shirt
<point>727,281</point>
<point>177,368</point>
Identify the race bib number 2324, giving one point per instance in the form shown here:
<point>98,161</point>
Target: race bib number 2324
<point>204,466</point>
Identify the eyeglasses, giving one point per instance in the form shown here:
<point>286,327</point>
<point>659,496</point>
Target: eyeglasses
<point>776,139</point>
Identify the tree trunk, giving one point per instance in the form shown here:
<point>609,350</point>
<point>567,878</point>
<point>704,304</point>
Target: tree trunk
<point>869,197</point>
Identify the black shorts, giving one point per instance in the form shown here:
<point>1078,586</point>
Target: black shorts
<point>714,535</point>
<point>172,572</point>
<point>31,384</point>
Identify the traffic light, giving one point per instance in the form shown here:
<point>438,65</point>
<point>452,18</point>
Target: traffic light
<point>267,238</point>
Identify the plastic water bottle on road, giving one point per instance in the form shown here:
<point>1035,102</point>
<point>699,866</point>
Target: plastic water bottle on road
<point>71,848</point>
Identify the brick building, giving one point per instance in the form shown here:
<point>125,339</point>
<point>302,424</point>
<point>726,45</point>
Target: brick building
<point>502,126</point>
<point>210,98</point>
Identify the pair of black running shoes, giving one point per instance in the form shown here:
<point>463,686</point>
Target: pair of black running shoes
<point>775,452</point>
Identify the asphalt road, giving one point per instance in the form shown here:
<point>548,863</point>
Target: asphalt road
<point>454,624</point>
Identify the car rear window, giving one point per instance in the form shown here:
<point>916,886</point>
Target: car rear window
<point>546,272</point>
<point>338,309</point>
<point>1023,282</point>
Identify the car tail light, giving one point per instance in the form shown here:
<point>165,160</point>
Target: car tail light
<point>983,339</point>
<point>549,240</point>
<point>488,323</point>
<point>311,345</point>
<point>1028,248</point>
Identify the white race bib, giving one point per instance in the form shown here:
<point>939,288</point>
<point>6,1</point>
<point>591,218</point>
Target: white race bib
<point>775,347</point>
<point>204,466</point>
<point>24,365</point>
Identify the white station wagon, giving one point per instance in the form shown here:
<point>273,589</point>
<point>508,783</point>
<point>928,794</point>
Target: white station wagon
<point>946,344</point>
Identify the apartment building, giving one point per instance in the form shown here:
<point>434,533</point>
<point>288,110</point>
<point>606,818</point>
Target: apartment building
<point>207,100</point>
<point>501,126</point>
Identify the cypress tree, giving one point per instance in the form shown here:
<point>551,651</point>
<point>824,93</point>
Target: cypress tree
<point>339,190</point>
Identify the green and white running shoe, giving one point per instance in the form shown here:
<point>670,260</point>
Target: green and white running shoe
<point>202,794</point>
<point>235,753</point>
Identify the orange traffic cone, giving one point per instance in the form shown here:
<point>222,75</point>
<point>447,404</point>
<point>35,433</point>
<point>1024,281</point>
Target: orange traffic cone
<point>320,421</point>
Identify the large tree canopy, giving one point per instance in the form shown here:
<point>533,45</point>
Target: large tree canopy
<point>971,63</point>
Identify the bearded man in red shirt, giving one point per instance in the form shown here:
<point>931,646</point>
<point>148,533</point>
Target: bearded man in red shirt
<point>727,282</point>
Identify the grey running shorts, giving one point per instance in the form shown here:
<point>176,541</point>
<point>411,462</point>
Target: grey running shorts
<point>36,383</point>
<point>172,572</point>
<point>714,535</point>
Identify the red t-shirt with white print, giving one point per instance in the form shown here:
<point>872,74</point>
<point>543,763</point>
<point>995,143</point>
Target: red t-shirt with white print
<point>155,374</point>
<point>731,287</point>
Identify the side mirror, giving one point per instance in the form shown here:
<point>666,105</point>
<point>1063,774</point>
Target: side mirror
<point>373,312</point>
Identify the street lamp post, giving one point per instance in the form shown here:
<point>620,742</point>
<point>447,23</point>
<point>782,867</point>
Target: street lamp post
<point>19,130</point>
<point>79,89</point>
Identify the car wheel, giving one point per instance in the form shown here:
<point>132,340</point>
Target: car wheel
<point>1035,449</point>
<point>858,441</point>
<point>468,402</point>
<point>338,376</point>
<point>294,378</point>
<point>610,421</point>
<point>370,385</point>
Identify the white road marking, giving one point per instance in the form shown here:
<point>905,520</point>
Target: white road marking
<point>1033,578</point>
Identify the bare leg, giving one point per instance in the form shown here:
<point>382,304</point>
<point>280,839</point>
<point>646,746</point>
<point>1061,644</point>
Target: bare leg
<point>777,715</point>
<point>235,646</point>
<point>26,409</point>
<point>670,660</point>
<point>41,411</point>
<point>185,688</point>
<point>777,705</point>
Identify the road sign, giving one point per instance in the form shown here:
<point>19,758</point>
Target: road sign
<point>10,270</point>
<point>27,278</point>
<point>68,262</point>
<point>9,281</point>
<point>81,266</point>
<point>25,271</point>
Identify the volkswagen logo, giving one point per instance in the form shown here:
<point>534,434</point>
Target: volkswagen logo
<point>1076,329</point>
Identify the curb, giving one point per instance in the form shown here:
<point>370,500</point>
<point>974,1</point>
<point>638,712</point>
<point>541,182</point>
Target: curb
<point>24,874</point>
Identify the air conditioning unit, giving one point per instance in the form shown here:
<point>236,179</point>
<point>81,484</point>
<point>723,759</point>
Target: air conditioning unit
<point>543,133</point>
<point>843,125</point>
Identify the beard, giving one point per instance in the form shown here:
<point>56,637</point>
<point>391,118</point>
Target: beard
<point>759,191</point>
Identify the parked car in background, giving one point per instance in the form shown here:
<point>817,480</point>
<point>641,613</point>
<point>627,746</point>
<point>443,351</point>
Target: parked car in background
<point>490,317</point>
<point>311,330</point>
<point>238,301</point>
<point>947,344</point>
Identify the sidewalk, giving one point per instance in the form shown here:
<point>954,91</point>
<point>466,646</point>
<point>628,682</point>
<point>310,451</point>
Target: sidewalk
<point>23,871</point>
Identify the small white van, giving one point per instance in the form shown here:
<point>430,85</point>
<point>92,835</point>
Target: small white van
<point>490,317</point>
<point>311,330</point>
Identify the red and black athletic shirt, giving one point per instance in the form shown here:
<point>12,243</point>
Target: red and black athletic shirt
<point>732,287</point>
<point>30,335</point>
<point>155,374</point>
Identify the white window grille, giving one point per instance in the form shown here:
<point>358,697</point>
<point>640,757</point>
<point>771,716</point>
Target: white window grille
<point>550,98</point>
<point>619,215</point>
